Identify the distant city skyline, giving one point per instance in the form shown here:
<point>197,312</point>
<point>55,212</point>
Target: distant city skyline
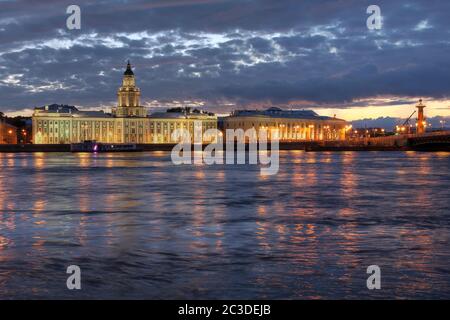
<point>225,55</point>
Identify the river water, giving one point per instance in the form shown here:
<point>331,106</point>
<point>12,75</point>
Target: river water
<point>140,227</point>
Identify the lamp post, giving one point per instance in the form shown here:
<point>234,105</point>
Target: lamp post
<point>9,138</point>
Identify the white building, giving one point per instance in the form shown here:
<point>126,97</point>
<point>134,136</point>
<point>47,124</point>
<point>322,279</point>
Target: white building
<point>127,123</point>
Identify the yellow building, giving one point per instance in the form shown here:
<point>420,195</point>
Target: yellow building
<point>164,123</point>
<point>127,123</point>
<point>291,125</point>
<point>8,133</point>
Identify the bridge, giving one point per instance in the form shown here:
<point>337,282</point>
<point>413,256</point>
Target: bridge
<point>432,141</point>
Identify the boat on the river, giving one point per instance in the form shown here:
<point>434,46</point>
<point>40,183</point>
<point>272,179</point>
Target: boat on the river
<point>94,146</point>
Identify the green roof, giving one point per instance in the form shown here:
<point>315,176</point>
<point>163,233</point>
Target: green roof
<point>128,72</point>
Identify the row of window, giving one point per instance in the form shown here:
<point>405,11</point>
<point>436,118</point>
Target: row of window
<point>45,123</point>
<point>280,125</point>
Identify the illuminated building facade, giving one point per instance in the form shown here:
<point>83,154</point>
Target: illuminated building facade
<point>292,125</point>
<point>127,123</point>
<point>8,133</point>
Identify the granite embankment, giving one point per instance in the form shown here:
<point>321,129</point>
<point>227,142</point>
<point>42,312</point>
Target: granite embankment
<point>307,146</point>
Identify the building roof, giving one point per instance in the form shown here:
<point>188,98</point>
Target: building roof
<point>6,124</point>
<point>65,110</point>
<point>275,112</point>
<point>92,114</point>
<point>180,115</point>
<point>128,72</point>
<point>58,108</point>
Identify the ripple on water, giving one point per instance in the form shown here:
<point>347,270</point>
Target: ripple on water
<point>140,227</point>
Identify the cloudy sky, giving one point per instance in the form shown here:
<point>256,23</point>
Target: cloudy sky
<point>227,54</point>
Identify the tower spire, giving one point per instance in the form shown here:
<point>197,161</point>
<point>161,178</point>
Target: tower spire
<point>128,104</point>
<point>128,71</point>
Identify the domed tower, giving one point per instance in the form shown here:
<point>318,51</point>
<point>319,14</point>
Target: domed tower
<point>129,97</point>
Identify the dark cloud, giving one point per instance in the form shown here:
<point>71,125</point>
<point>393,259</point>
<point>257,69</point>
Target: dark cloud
<point>223,51</point>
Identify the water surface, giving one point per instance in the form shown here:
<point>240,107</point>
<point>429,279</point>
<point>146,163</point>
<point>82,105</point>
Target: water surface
<point>140,227</point>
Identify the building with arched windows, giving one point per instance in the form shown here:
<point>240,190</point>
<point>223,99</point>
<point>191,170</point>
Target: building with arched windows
<point>128,122</point>
<point>291,125</point>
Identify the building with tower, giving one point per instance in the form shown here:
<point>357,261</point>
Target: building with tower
<point>128,98</point>
<point>128,122</point>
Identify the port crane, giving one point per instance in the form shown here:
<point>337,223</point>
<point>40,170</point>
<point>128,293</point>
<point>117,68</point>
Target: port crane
<point>405,126</point>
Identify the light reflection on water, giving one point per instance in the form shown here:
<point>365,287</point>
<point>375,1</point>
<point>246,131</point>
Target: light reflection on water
<point>140,227</point>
